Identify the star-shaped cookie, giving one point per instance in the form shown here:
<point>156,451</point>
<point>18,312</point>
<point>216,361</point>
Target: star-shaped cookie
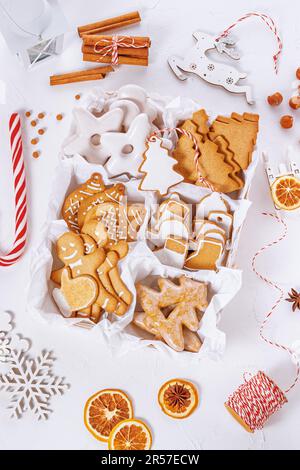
<point>89,129</point>
<point>126,149</point>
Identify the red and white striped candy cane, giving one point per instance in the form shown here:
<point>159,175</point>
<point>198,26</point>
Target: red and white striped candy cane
<point>270,24</point>
<point>20,193</point>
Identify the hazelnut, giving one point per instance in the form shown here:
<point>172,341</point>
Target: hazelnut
<point>298,73</point>
<point>275,100</point>
<point>295,102</point>
<point>287,122</point>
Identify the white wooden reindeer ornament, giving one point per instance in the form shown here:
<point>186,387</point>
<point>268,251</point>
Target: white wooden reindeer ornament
<point>196,61</point>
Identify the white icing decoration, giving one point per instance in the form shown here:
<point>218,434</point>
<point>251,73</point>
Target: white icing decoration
<point>158,168</point>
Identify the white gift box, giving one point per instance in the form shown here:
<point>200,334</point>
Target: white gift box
<point>121,334</point>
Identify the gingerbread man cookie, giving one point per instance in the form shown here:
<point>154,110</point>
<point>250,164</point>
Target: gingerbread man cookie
<point>70,250</point>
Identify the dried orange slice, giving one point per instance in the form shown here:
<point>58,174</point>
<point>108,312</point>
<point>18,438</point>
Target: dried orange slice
<point>104,410</point>
<point>131,434</point>
<point>286,192</point>
<point>178,398</point>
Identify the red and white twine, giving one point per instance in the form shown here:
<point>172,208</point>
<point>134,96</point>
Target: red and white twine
<point>188,134</point>
<point>111,46</point>
<point>281,294</point>
<point>270,24</point>
<point>258,398</point>
<point>19,191</point>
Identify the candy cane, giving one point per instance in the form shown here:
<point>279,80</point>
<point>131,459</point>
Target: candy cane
<point>20,193</point>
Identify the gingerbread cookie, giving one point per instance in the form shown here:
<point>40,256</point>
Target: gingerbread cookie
<point>184,153</point>
<point>72,203</point>
<point>210,165</point>
<point>173,208</point>
<point>200,118</point>
<point>75,294</point>
<point>207,255</point>
<point>120,247</point>
<point>240,131</point>
<point>157,156</point>
<point>108,214</point>
<point>114,194</point>
<point>184,300</point>
<point>70,250</point>
<point>192,342</point>
<point>216,235</point>
<point>110,277</point>
<point>202,227</point>
<point>136,214</point>
<point>96,231</point>
<point>211,202</point>
<point>229,157</point>
<point>223,219</point>
<point>174,252</point>
<point>90,244</point>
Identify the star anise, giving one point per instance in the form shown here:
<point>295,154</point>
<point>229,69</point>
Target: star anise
<point>177,398</point>
<point>294,298</point>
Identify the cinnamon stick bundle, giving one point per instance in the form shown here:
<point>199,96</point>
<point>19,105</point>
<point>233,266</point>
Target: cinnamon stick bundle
<point>97,73</point>
<point>102,40</point>
<point>110,24</point>
<point>122,59</point>
<point>122,51</point>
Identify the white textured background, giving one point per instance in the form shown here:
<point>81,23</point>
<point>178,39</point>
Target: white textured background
<point>88,364</point>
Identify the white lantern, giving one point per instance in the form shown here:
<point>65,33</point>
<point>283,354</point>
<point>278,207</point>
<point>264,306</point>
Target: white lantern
<point>32,29</point>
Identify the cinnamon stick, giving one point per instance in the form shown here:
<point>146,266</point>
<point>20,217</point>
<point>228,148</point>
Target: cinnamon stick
<point>97,73</point>
<point>110,24</point>
<point>102,40</point>
<point>122,51</point>
<point>122,59</point>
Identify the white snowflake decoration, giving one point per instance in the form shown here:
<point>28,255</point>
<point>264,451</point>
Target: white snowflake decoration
<point>31,384</point>
<point>5,350</point>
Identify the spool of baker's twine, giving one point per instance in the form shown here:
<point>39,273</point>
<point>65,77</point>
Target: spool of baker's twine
<point>255,401</point>
<point>19,181</point>
<point>188,134</point>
